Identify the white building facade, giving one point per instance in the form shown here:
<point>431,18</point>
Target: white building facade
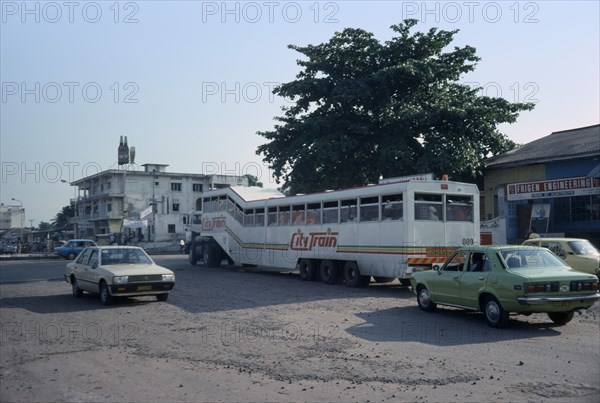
<point>11,217</point>
<point>135,205</point>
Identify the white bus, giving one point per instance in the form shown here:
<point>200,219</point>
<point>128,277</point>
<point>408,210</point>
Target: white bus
<point>384,231</point>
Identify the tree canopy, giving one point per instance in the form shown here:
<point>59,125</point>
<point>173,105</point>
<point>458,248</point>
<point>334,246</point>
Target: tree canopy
<point>63,217</point>
<point>362,109</point>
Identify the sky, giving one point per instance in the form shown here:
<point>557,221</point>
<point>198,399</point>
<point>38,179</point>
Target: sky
<point>189,82</point>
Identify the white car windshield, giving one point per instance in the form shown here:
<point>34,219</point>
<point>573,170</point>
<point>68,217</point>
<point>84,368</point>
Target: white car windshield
<point>527,258</point>
<point>123,256</point>
<point>584,248</point>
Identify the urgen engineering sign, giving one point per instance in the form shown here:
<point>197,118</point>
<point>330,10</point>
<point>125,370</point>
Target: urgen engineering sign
<point>566,187</point>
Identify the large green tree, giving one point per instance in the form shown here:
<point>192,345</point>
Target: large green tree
<point>63,217</point>
<point>362,109</point>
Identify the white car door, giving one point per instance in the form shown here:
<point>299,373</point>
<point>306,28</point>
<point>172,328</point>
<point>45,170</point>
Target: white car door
<point>80,268</point>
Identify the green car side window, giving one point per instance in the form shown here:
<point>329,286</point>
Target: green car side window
<point>457,262</point>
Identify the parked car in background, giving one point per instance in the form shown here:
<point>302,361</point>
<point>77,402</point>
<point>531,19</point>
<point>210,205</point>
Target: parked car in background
<point>118,271</point>
<point>9,247</point>
<point>72,248</point>
<point>577,253</point>
<point>499,280</point>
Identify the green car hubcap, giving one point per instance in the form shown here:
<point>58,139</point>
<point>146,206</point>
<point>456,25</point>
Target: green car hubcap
<point>424,297</point>
<point>492,311</point>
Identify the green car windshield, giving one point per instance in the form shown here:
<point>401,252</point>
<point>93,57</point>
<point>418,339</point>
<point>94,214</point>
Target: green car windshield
<point>528,258</point>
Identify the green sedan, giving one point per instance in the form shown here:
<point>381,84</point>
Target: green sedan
<point>499,280</point>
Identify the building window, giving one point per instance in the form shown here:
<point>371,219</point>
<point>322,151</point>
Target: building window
<point>171,228</point>
<point>176,187</point>
<point>197,187</point>
<point>109,207</point>
<point>155,184</point>
<point>580,208</point>
<point>175,207</point>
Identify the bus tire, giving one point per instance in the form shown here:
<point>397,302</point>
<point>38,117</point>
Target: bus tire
<point>193,256</point>
<point>352,276</point>
<point>210,256</point>
<point>404,281</point>
<point>308,271</point>
<point>328,271</point>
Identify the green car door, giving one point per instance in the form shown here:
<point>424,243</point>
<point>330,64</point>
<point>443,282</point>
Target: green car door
<point>474,279</point>
<point>447,280</point>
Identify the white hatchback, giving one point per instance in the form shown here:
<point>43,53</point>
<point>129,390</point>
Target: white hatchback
<point>578,253</point>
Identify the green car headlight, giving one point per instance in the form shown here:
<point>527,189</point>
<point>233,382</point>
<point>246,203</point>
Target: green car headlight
<point>120,279</point>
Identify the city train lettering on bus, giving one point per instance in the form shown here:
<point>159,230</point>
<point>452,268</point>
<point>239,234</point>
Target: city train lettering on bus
<point>208,224</point>
<point>303,242</point>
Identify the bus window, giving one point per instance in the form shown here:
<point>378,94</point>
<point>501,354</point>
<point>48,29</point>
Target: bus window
<point>239,214</point>
<point>230,207</point>
<point>298,217</point>
<point>330,212</point>
<point>391,207</point>
<point>272,216</point>
<point>313,214</point>
<point>428,207</point>
<point>222,203</point>
<point>284,215</point>
<point>259,217</point>
<point>459,208</point>
<point>348,210</point>
<point>248,218</point>
<point>369,208</point>
<point>206,203</point>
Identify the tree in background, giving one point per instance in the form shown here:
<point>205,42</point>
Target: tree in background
<point>365,109</point>
<point>63,217</point>
<point>44,226</point>
<point>253,180</point>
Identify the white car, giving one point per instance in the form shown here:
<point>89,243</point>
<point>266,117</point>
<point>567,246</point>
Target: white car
<point>118,271</point>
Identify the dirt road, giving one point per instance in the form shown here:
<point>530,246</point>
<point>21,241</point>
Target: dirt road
<point>244,335</point>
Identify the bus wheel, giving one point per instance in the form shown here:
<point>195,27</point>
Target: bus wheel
<point>308,272</point>
<point>404,281</point>
<point>352,276</point>
<point>193,258</point>
<point>210,256</point>
<point>328,271</point>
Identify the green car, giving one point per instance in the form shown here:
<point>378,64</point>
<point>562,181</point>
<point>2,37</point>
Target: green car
<point>498,280</point>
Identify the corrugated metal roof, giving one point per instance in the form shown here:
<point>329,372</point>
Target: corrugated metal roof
<point>574,143</point>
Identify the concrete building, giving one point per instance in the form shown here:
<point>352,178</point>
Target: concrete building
<point>551,186</point>
<point>141,205</point>
<point>11,217</point>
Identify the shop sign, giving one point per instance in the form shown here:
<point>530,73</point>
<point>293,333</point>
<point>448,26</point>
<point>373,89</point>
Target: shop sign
<point>566,187</point>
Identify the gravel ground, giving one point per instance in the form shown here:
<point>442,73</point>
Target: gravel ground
<point>233,334</point>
